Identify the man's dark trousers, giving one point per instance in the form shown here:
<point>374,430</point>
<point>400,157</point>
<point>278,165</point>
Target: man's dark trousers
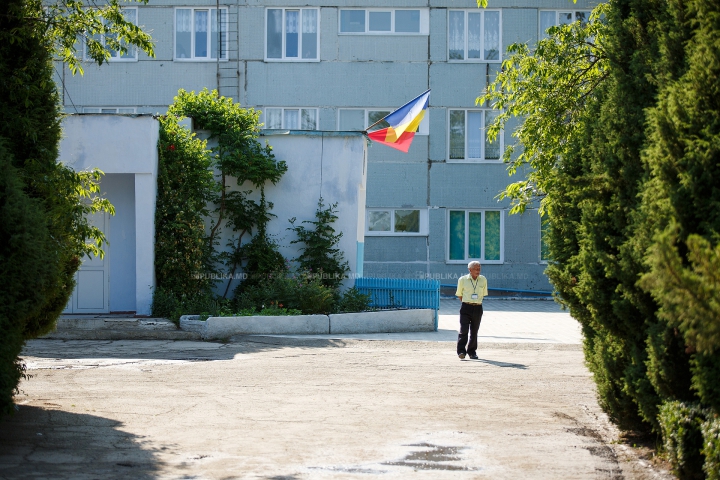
<point>470,316</point>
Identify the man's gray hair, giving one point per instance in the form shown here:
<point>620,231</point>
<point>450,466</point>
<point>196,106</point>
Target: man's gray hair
<point>474,262</point>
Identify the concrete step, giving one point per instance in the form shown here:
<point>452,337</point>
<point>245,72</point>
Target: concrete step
<point>91,327</point>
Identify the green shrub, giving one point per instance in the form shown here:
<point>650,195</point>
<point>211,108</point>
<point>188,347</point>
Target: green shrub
<point>170,305</point>
<point>353,301</point>
<point>271,310</point>
<point>711,448</point>
<point>319,253</point>
<point>43,204</point>
<point>681,425</point>
<point>304,292</point>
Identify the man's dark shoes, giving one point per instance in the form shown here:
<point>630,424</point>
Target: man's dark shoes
<point>462,356</point>
<point>473,357</point>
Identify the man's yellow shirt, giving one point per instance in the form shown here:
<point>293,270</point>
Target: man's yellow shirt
<point>467,287</point>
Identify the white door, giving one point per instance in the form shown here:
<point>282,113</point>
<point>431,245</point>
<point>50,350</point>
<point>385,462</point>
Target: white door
<point>91,280</point>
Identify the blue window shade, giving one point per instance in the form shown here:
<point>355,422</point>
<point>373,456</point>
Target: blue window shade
<point>201,33</point>
<point>475,240</point>
<point>457,235</point>
<point>291,33</point>
<point>492,235</point>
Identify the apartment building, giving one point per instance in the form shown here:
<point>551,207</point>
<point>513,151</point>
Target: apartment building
<point>341,66</point>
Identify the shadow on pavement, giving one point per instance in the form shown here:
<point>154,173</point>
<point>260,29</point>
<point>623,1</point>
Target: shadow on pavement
<point>40,443</point>
<point>191,351</point>
<point>519,366</point>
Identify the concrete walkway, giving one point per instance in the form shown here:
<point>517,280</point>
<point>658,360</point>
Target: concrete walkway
<point>320,408</point>
<point>504,321</point>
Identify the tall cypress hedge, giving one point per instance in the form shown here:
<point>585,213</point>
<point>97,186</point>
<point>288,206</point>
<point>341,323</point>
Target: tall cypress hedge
<point>635,230</point>
<point>43,230</point>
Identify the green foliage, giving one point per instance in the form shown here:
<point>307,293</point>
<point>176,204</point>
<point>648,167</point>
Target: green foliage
<point>711,448</point>
<point>44,205</point>
<point>620,128</point>
<point>352,300</point>
<point>303,291</point>
<point>683,439</point>
<point>23,272</point>
<point>237,154</point>
<point>689,294</point>
<point>172,305</point>
<point>183,257</point>
<point>272,310</point>
<point>65,21</point>
<point>550,89</point>
<point>320,254</point>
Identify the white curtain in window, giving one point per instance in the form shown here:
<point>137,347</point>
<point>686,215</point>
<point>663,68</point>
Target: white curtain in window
<point>273,118</point>
<point>309,21</point>
<point>474,29</point>
<point>291,21</point>
<point>457,35</point>
<point>183,20</point>
<point>492,35</point>
<point>201,20</point>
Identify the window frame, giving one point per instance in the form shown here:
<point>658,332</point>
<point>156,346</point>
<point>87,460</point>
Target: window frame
<point>542,35</point>
<point>482,36</point>
<point>423,129</point>
<point>118,58</point>
<point>424,223</point>
<point>481,159</point>
<point>424,21</point>
<point>282,117</point>
<point>284,58</point>
<point>224,44</point>
<point>482,236</point>
<point>116,112</point>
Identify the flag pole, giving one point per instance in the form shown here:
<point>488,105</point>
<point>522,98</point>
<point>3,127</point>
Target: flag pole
<point>383,118</point>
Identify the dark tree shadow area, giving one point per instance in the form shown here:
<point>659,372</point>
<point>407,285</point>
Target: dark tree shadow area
<point>196,351</point>
<point>39,443</point>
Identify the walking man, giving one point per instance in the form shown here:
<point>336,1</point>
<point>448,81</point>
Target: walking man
<point>470,290</point>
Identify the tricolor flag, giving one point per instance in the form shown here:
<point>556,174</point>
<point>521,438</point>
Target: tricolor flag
<point>404,122</point>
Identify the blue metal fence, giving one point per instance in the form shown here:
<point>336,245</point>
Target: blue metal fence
<point>401,293</point>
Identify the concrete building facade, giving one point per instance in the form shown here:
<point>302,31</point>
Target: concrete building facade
<point>337,66</point>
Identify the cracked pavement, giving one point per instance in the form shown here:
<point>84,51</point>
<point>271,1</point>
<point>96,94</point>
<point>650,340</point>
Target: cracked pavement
<point>306,408</point>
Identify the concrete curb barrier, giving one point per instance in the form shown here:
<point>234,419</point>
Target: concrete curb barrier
<point>383,321</point>
<point>118,328</point>
<point>223,327</point>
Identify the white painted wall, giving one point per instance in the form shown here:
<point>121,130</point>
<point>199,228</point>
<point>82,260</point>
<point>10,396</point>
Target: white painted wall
<point>327,164</point>
<point>122,145</point>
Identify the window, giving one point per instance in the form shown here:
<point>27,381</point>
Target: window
<point>359,119</point>
<point>131,15</point>
<point>200,34</point>
<point>109,110</point>
<point>551,18</point>
<point>290,118</point>
<point>475,235</point>
<point>292,34</point>
<point>474,36</point>
<point>467,138</point>
<point>396,221</point>
<point>544,232</point>
<point>384,22</point>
